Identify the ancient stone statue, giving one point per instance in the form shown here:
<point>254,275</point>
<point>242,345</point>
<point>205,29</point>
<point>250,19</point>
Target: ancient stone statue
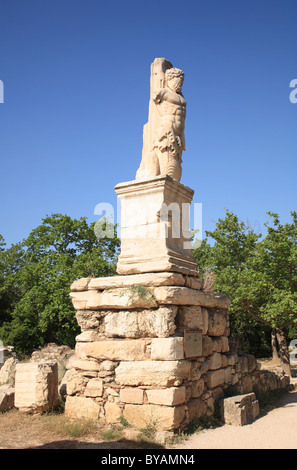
<point>163,135</point>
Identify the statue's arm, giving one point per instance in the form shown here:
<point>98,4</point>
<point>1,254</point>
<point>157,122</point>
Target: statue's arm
<point>158,95</point>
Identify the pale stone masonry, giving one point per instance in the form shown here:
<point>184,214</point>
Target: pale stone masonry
<point>36,386</point>
<point>155,235</point>
<point>130,356</point>
<point>240,409</point>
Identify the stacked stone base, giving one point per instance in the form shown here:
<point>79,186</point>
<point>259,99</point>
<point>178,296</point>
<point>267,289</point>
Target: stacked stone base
<point>130,357</point>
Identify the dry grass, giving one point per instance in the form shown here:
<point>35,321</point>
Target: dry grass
<point>54,431</point>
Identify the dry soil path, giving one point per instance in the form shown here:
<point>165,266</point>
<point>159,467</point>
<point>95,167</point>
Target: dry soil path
<point>275,430</point>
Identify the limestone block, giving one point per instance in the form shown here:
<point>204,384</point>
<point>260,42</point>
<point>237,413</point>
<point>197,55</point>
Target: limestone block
<point>141,323</point>
<point>7,372</point>
<point>112,412</point>
<point>132,395</point>
<point>240,409</point>
<point>82,408</point>
<point>161,417</point>
<point>36,386</point>
<point>112,298</point>
<point>128,297</point>
<point>197,388</point>
<point>162,373</point>
<point>243,364</point>
<point>207,347</point>
<point>195,370</point>
<point>204,367</point>
<point>68,364</point>
<point>228,375</point>
<point>210,403</point>
<point>190,317</point>
<point>86,300</point>
<point>88,335</point>
<point>196,408</point>
<point>85,364</point>
<point>225,344</point>
<point>217,344</point>
<point>215,378</point>
<point>205,320</point>
<point>80,284</point>
<point>169,396</point>
<point>255,411</point>
<point>74,382</point>
<point>215,361</point>
<point>108,365</point>
<point>224,360</point>
<point>80,351</point>
<point>186,296</point>
<point>167,349</point>
<point>146,279</point>
<point>117,350</point>
<point>89,319</point>
<point>94,388</point>
<point>151,213</point>
<point>217,323</point>
<point>113,392</point>
<point>193,282</point>
<point>232,358</point>
<point>6,398</point>
<point>246,384</point>
<point>234,379</point>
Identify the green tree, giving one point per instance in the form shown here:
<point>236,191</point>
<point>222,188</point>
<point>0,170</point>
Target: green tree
<point>38,274</point>
<point>11,261</point>
<point>269,288</point>
<point>225,256</point>
<point>258,275</point>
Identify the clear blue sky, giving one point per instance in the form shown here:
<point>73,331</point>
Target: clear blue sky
<point>76,91</point>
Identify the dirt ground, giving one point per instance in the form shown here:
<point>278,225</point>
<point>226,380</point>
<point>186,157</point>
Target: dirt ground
<point>275,429</point>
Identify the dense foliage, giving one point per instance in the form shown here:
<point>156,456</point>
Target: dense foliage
<point>259,274</point>
<point>35,279</point>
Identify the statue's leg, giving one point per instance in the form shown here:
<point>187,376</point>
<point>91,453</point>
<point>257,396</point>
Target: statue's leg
<point>170,164</point>
<point>149,167</point>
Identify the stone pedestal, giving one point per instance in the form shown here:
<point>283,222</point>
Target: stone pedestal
<point>155,233</point>
<point>36,386</point>
<point>131,358</point>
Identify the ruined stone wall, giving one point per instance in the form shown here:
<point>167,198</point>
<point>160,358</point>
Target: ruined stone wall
<point>130,356</point>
